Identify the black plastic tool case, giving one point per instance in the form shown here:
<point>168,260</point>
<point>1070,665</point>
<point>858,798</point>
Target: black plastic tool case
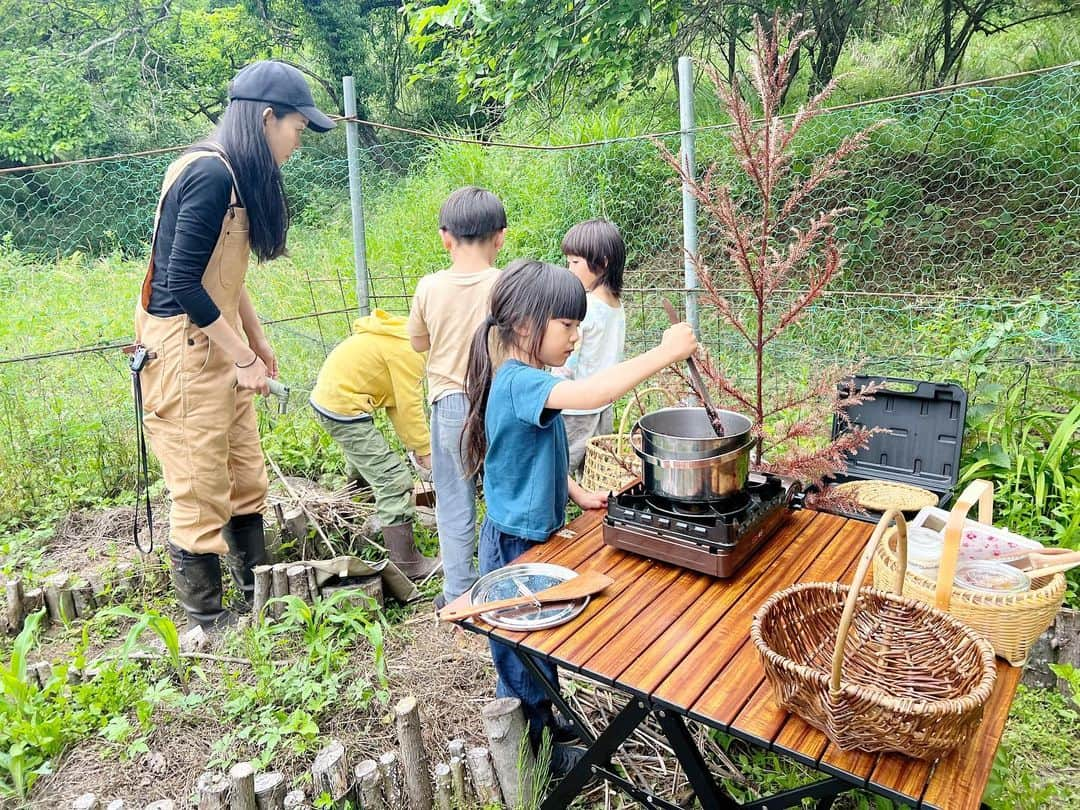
<point>921,443</point>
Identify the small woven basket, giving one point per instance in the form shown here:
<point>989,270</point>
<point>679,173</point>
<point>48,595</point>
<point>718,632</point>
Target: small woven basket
<point>874,671</point>
<point>610,463</point>
<point>1011,622</point>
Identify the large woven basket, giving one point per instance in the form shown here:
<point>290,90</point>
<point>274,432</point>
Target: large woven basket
<point>874,671</point>
<point>610,463</point>
<point>1011,622</point>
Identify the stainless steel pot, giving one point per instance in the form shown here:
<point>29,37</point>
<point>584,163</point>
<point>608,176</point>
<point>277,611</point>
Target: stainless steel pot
<point>688,461</point>
<point>687,433</point>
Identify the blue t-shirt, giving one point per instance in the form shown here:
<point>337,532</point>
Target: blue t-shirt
<point>526,465</point>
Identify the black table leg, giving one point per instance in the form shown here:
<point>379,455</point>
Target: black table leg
<point>597,756</point>
<point>693,764</point>
<point>552,691</point>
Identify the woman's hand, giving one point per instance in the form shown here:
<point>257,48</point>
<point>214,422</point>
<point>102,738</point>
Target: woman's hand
<point>254,376</point>
<point>586,499</point>
<point>263,349</point>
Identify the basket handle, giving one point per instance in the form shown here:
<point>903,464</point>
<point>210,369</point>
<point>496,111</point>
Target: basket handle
<point>980,491</point>
<point>893,515</point>
<point>620,443</point>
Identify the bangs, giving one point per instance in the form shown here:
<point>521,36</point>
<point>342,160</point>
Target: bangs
<point>568,299</point>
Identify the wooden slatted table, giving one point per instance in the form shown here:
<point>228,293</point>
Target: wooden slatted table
<point>677,643</point>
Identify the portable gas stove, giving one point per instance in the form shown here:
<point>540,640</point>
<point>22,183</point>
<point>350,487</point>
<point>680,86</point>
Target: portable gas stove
<point>714,537</point>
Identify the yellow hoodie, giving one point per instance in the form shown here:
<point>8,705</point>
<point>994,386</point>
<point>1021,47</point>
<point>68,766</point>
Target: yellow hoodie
<point>375,367</point>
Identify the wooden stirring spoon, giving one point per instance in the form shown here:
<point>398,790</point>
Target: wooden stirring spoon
<point>584,584</point>
<point>696,381</point>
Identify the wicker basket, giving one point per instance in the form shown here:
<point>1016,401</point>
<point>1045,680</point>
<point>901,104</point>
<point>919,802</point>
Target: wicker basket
<point>898,676</point>
<point>1011,622</point>
<point>610,463</point>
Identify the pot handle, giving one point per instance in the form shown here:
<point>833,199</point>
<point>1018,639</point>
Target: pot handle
<point>678,463</point>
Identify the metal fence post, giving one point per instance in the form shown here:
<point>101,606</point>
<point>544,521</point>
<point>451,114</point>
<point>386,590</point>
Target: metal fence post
<point>689,217</point>
<point>356,200</point>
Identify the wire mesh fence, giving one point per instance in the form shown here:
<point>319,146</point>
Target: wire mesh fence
<point>961,258</point>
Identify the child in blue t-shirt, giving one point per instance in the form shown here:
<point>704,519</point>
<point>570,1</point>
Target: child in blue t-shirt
<point>515,432</point>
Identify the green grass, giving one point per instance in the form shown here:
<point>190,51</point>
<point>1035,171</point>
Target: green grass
<point>1036,762</point>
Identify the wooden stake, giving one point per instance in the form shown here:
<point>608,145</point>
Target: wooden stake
<point>270,791</point>
<point>369,586</point>
<point>511,754</point>
<point>263,586</point>
<point>83,598</point>
<point>280,587</point>
<point>213,789</point>
<point>88,801</point>
<point>442,787</point>
<point>414,762</point>
<point>67,604</point>
<point>457,771</point>
<point>242,787</point>
<point>298,585</point>
<point>483,777</point>
<point>296,523</point>
<point>123,581</point>
<point>368,785</point>
<point>33,601</point>
<point>388,769</point>
<point>331,773</point>
<point>15,614</point>
<point>457,781</point>
<point>313,584</point>
<point>43,671</point>
<point>54,586</point>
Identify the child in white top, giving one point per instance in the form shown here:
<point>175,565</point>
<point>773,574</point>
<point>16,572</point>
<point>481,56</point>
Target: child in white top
<point>596,254</point>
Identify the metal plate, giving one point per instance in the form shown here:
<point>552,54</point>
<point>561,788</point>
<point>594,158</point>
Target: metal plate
<point>503,584</point>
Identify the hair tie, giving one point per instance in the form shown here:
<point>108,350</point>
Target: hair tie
<point>490,321</point>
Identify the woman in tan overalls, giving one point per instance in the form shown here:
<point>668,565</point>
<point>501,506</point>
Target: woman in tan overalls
<point>221,201</point>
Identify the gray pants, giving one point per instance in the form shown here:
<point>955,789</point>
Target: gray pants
<point>582,427</point>
<point>455,496</point>
<point>367,453</point>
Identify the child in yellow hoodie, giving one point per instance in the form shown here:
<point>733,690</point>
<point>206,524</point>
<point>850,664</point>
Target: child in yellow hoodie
<point>376,367</point>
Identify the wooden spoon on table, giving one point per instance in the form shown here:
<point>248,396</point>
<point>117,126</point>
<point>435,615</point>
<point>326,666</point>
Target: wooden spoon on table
<point>696,381</point>
<point>584,584</point>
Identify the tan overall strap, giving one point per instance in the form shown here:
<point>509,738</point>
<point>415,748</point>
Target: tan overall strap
<point>176,168</point>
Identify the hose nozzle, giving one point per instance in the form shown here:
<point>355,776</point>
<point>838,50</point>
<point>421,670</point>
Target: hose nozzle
<point>280,391</point>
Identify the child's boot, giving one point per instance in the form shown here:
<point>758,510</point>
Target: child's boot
<point>404,553</point>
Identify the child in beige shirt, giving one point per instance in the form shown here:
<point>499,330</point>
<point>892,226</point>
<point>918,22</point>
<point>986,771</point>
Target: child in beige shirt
<point>446,310</point>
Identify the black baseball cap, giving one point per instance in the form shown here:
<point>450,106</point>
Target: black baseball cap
<point>278,83</point>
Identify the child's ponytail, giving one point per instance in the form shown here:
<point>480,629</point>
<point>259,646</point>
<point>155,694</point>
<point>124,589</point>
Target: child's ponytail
<point>477,387</point>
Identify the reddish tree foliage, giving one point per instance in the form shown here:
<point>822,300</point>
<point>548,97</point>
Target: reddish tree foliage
<point>780,260</point>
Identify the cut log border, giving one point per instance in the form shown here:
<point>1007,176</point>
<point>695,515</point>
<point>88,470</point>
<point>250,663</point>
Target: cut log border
<point>67,597</point>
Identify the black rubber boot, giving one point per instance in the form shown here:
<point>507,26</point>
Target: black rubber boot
<point>404,553</point>
<point>247,548</point>
<point>197,579</point>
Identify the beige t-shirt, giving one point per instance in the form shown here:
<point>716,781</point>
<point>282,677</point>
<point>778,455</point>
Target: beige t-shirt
<point>448,307</point>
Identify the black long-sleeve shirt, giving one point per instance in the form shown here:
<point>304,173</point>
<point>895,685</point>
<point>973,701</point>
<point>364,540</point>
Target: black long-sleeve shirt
<point>188,230</point>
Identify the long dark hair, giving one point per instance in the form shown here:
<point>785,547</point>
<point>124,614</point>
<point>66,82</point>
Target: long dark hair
<point>240,135</point>
<point>527,295</point>
<point>601,245</point>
